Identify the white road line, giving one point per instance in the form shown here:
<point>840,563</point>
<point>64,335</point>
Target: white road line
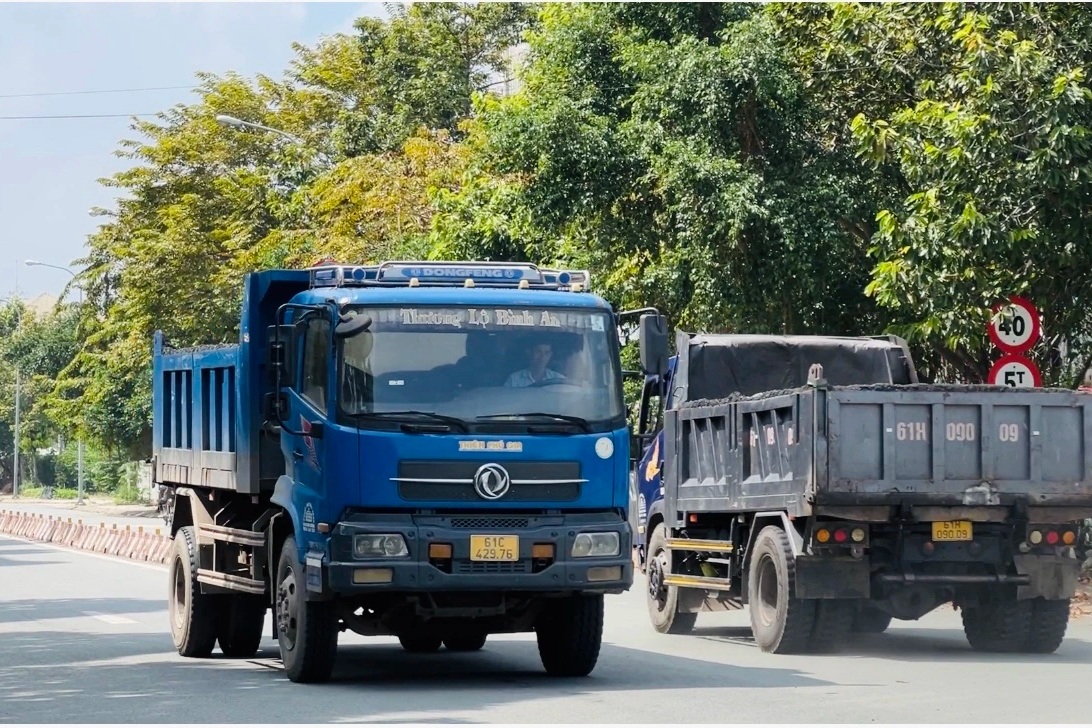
<point>92,554</point>
<point>111,618</point>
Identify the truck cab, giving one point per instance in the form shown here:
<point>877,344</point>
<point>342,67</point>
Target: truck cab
<point>434,451</point>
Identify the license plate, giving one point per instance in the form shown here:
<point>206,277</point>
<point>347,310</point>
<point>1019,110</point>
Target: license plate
<point>952,531</point>
<point>494,548</point>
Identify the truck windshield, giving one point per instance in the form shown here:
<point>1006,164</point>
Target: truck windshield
<point>484,365</point>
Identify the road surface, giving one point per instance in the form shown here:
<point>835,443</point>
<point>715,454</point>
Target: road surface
<point>85,639</point>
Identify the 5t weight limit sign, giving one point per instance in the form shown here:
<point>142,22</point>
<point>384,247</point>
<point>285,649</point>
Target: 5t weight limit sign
<point>1015,371</point>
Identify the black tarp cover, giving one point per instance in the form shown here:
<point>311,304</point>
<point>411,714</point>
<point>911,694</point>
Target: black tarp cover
<point>714,366</point>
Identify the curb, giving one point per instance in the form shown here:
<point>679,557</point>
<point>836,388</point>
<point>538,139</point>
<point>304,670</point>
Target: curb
<point>151,546</point>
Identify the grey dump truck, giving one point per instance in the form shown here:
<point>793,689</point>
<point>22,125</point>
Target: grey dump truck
<point>818,482</point>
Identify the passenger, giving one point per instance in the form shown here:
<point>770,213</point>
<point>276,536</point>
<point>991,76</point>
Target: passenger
<point>537,372</point>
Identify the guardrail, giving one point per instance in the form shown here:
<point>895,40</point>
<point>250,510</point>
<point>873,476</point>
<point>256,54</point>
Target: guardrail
<point>139,544</point>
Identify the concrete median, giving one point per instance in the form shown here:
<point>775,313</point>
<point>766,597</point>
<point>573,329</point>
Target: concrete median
<point>139,544</point>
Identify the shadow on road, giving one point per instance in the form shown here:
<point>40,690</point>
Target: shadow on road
<point>61,677</point>
<point>911,644</point>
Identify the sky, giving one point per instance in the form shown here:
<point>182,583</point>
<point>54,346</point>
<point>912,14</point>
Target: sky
<point>50,168</point>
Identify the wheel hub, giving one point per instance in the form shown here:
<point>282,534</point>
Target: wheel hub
<point>657,569</point>
<point>286,609</point>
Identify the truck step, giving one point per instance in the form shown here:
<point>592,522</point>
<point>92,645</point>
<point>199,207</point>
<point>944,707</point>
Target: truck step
<point>697,544</point>
<point>700,582</point>
<point>233,535</point>
<point>231,581</point>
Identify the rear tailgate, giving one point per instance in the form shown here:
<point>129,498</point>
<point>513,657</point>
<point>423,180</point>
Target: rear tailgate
<point>956,446</point>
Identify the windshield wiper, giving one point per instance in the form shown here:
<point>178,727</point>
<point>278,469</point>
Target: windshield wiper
<point>579,421</point>
<point>446,419</point>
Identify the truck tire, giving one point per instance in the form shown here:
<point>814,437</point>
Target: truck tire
<point>569,633</point>
<point>465,640</point>
<point>663,600</point>
<point>870,620</point>
<point>307,631</point>
<point>420,642</point>
<point>242,622</point>
<point>192,614</point>
<point>998,626</point>
<point>833,623</point>
<point>780,622</point>
<point>1046,630</point>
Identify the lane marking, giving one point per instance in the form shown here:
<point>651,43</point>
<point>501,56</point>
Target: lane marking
<point>111,618</point>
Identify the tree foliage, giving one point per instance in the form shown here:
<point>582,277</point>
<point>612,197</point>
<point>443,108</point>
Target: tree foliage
<point>838,169</point>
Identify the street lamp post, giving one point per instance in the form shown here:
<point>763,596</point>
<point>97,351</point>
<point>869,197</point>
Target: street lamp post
<point>18,398</point>
<point>239,124</point>
<point>79,439</point>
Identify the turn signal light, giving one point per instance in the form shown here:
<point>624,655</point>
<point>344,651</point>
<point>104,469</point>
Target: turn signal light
<point>439,551</point>
<point>542,551</point>
<point>822,535</point>
<point>1069,538</point>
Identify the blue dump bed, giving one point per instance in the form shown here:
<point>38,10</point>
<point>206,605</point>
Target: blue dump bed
<point>207,409</point>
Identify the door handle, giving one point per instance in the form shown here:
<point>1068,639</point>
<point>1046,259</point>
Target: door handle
<point>297,454</point>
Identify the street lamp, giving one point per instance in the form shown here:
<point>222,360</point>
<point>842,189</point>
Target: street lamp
<point>240,124</point>
<point>79,439</point>
<point>18,398</point>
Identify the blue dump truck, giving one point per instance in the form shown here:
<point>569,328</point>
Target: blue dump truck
<point>433,451</point>
<point>818,482</point>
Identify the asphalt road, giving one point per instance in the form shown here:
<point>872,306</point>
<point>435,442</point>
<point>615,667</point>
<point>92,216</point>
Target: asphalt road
<point>85,639</point>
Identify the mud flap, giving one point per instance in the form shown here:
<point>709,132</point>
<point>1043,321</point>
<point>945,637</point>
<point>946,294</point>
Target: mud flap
<point>1052,577</point>
<point>832,577</point>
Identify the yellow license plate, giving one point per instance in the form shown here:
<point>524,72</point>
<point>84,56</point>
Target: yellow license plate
<point>494,548</point>
<point>952,531</point>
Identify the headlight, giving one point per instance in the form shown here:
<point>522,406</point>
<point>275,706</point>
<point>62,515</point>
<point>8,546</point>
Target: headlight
<point>379,545</point>
<point>595,544</point>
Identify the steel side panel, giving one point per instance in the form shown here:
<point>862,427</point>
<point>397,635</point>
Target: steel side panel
<point>969,448</point>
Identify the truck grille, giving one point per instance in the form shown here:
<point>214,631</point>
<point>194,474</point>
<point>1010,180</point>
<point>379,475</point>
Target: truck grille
<point>491,567</point>
<point>446,480</point>
<point>487,522</point>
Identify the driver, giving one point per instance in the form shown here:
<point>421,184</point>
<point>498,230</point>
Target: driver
<point>537,372</point>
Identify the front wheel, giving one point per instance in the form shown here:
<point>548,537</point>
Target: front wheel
<point>307,631</point>
<point>570,633</point>
<point>663,600</point>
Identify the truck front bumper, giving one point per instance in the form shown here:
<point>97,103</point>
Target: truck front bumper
<point>441,555</point>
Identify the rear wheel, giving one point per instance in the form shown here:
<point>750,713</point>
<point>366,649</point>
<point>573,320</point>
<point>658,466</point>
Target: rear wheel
<point>307,631</point>
<point>833,623</point>
<point>420,642</point>
<point>1049,619</point>
<point>780,622</point>
<point>193,615</point>
<point>998,626</point>
<point>570,633</point>
<point>241,623</point>
<point>663,600</point>
<point>465,640</point>
<point>870,620</point>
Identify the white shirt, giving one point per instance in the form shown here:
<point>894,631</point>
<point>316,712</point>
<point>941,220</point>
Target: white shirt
<point>523,378</point>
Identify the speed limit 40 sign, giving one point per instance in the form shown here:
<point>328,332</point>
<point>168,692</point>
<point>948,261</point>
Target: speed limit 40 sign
<point>1014,327</point>
<point>1015,371</point>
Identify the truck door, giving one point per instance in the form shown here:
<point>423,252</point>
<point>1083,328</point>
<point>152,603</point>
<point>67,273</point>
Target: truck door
<point>646,475</point>
<point>309,405</point>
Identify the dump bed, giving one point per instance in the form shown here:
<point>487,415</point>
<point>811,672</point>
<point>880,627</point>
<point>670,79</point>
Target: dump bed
<point>207,401</point>
<point>891,445</point>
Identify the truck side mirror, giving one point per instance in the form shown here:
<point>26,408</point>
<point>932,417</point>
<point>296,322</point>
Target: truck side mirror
<point>352,324</point>
<point>654,344</point>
